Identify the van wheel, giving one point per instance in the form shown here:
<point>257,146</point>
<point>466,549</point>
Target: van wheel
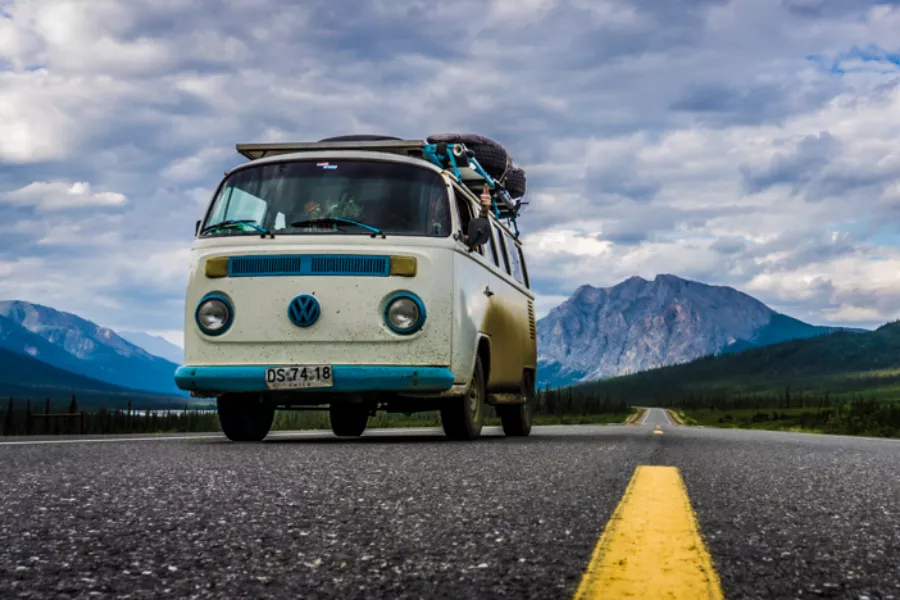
<point>244,417</point>
<point>516,419</point>
<point>348,419</point>
<point>463,418</point>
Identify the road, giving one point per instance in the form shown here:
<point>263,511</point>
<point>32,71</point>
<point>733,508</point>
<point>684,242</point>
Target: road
<point>656,416</point>
<point>412,515</point>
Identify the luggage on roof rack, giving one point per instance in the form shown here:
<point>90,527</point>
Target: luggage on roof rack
<point>490,155</point>
<point>474,160</point>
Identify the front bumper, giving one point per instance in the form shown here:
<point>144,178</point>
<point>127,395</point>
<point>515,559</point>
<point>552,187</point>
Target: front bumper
<point>346,379</point>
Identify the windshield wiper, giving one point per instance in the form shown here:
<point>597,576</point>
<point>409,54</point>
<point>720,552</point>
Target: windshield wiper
<point>375,231</point>
<point>236,222</point>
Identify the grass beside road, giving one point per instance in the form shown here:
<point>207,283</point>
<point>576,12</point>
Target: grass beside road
<point>678,417</point>
<point>859,417</point>
<point>598,419</point>
<point>786,419</point>
<point>636,416</point>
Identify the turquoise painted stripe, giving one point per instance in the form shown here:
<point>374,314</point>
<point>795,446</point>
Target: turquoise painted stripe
<point>347,378</point>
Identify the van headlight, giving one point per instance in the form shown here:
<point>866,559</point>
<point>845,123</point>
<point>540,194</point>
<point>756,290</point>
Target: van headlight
<point>214,314</point>
<point>405,313</point>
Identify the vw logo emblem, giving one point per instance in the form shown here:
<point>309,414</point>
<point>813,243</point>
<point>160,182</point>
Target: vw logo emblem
<point>304,310</point>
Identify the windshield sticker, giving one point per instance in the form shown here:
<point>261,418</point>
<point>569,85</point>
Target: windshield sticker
<point>327,166</point>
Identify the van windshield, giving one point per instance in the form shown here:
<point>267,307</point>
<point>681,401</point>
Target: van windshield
<point>309,196</point>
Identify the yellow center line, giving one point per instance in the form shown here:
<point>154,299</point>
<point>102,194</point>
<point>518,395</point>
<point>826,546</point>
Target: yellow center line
<point>651,547</point>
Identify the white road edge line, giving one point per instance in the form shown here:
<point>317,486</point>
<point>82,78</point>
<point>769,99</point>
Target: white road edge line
<point>277,434</point>
<point>666,415</point>
<point>166,438</point>
<point>109,440</point>
<point>646,414</point>
<point>414,430</point>
<point>212,436</point>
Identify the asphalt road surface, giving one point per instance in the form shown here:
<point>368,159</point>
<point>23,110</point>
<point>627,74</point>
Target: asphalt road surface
<point>411,515</point>
<point>656,416</point>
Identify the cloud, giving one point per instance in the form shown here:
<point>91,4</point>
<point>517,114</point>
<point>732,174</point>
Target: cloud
<point>59,195</point>
<point>544,303</point>
<point>807,160</point>
<point>746,142</point>
<point>728,245</point>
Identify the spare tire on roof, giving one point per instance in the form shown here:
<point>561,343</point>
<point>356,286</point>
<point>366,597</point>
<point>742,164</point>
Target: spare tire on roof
<point>515,182</point>
<point>362,137</point>
<point>489,154</point>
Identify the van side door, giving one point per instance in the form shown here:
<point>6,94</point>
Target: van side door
<point>471,279</point>
<point>504,322</point>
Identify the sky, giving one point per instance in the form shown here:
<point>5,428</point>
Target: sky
<point>750,143</point>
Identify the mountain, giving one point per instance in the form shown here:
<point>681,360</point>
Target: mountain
<point>841,363</point>
<point>155,345</point>
<point>639,325</point>
<point>22,376</point>
<point>84,348</point>
<point>17,339</point>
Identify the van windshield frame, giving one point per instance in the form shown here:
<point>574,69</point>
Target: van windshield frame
<point>395,197</point>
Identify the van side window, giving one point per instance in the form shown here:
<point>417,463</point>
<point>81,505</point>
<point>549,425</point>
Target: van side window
<point>492,247</point>
<point>515,259</point>
<point>464,208</point>
<point>503,253</point>
<point>524,267</point>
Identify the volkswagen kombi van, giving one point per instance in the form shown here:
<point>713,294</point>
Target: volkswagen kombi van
<point>357,276</point>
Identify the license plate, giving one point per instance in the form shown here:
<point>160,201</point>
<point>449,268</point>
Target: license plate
<point>301,376</point>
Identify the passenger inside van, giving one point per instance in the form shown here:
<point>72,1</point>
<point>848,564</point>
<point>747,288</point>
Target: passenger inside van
<point>485,209</point>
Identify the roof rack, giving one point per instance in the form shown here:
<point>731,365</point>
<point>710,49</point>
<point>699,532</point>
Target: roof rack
<point>263,150</point>
<point>455,158</point>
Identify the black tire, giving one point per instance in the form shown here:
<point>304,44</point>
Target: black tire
<point>362,137</point>
<point>244,418</point>
<point>490,155</point>
<point>348,419</point>
<point>463,417</point>
<point>515,182</point>
<point>516,419</point>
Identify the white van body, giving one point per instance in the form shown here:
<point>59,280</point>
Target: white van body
<point>475,305</point>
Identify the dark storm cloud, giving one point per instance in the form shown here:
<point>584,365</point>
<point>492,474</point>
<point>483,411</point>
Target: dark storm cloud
<point>794,167</point>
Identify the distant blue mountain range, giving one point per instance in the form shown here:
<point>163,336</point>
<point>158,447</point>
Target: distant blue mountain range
<point>68,351</point>
<point>155,345</point>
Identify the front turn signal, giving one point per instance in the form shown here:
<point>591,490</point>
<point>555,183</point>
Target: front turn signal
<point>403,266</point>
<point>217,267</point>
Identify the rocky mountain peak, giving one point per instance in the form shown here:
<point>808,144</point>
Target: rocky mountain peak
<point>640,324</point>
